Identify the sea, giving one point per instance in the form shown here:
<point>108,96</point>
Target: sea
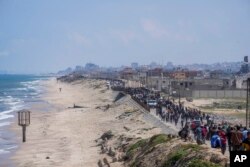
<point>16,92</point>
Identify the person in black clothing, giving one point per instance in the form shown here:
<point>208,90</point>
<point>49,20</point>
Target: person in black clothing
<point>207,118</point>
<point>229,137</point>
<point>184,133</point>
<point>213,131</point>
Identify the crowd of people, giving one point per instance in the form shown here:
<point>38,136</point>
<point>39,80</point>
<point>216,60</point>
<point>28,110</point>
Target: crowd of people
<point>193,122</point>
<point>203,127</point>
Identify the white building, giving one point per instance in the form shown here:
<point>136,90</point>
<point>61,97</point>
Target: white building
<point>241,81</point>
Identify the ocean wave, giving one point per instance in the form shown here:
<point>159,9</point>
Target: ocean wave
<point>9,100</point>
<point>2,117</point>
<point>12,147</point>
<point>3,151</point>
<point>7,150</point>
<point>16,98</point>
<point>31,83</point>
<point>33,86</point>
<point>14,106</point>
<point>34,93</point>
<point>4,123</point>
<point>21,89</point>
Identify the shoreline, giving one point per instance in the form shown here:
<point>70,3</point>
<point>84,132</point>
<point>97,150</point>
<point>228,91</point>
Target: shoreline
<point>22,92</point>
<point>12,135</point>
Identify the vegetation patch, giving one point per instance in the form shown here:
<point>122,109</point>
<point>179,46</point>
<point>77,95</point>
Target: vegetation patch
<point>137,145</point>
<point>158,139</point>
<point>225,105</point>
<point>202,163</point>
<point>146,145</point>
<point>175,157</point>
<point>179,154</point>
<point>159,151</point>
<point>193,147</point>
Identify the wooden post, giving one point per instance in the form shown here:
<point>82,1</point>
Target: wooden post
<point>24,133</point>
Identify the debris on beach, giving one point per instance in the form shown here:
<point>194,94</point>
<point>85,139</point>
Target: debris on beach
<point>107,135</point>
<point>106,162</point>
<point>104,108</point>
<point>127,113</point>
<point>103,91</point>
<point>124,115</point>
<point>100,163</point>
<point>111,152</point>
<point>126,128</point>
<point>76,106</point>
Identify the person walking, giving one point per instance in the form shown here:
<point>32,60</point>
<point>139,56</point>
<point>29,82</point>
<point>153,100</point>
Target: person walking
<point>186,132</point>
<point>198,132</point>
<point>236,138</point>
<point>213,131</point>
<point>244,133</point>
<point>182,121</point>
<point>176,117</point>
<point>215,141</point>
<point>204,133</point>
<point>229,129</point>
<point>223,138</point>
<point>246,143</point>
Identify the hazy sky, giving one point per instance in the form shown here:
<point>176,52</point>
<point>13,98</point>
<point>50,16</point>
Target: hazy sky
<point>48,35</point>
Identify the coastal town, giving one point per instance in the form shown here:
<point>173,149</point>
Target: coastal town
<point>223,81</point>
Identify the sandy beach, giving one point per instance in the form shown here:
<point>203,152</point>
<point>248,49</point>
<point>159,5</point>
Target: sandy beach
<point>65,136</point>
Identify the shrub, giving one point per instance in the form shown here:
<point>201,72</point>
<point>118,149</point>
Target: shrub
<point>158,139</point>
<point>174,157</point>
<point>202,163</point>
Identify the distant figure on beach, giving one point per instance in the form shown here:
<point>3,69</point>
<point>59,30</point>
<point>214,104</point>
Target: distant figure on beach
<point>60,89</point>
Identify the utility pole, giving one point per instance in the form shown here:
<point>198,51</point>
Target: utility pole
<point>247,104</point>
<point>179,95</point>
